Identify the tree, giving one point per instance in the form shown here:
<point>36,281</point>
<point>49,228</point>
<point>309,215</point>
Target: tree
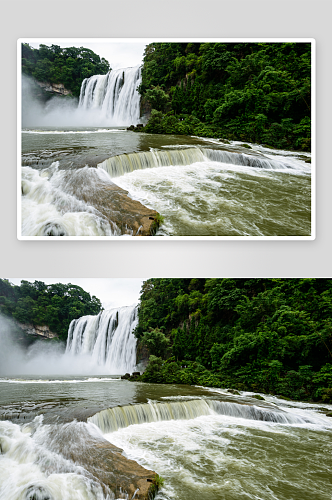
<point>157,97</point>
<point>156,342</point>
<point>258,92</point>
<point>62,65</point>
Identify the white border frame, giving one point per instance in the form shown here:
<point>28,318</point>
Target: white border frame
<point>46,41</point>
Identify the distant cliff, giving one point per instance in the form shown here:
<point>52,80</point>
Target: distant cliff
<point>54,88</point>
<point>34,305</point>
<point>36,331</point>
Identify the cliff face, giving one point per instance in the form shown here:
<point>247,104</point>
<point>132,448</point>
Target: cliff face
<point>41,92</point>
<point>145,111</point>
<point>142,355</point>
<point>41,331</point>
<point>54,88</point>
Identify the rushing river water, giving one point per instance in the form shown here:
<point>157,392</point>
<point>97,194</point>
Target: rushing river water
<point>205,443</point>
<point>200,187</point>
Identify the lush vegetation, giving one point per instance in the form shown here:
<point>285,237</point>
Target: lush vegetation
<point>52,305</point>
<point>255,92</point>
<point>262,335</point>
<point>56,65</point>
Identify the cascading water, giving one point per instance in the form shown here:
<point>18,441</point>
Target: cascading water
<point>113,95</point>
<point>113,419</point>
<point>122,164</point>
<point>106,340</point>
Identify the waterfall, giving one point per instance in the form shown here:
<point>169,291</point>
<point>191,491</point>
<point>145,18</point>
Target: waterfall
<point>122,164</point>
<point>114,96</point>
<point>112,419</point>
<point>107,339</point>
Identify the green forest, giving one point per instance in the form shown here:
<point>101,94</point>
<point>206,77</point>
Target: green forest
<point>255,92</point>
<point>263,335</point>
<point>52,305</point>
<point>62,65</point>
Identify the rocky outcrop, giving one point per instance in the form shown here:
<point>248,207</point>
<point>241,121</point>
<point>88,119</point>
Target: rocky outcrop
<point>123,477</point>
<point>138,128</point>
<point>142,355</point>
<point>105,463</point>
<point>145,110</point>
<point>130,216</point>
<point>54,88</point>
<point>41,331</point>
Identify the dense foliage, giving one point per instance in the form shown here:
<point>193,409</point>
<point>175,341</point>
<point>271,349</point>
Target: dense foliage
<point>52,305</point>
<point>255,92</point>
<point>268,335</point>
<point>56,65</point>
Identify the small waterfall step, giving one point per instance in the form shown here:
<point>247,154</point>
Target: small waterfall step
<point>119,165</point>
<point>112,419</point>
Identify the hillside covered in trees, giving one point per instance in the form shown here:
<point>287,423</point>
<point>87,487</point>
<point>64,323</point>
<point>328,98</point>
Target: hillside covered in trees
<point>255,92</point>
<point>62,65</point>
<point>267,335</point>
<point>52,305</point>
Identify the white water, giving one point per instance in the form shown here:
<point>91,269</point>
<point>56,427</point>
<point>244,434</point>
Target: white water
<point>113,96</point>
<point>113,419</point>
<point>105,341</point>
<point>199,191</point>
<point>32,466</point>
<point>53,202</point>
<point>235,454</point>
<point>217,198</point>
<point>122,164</point>
<point>205,449</point>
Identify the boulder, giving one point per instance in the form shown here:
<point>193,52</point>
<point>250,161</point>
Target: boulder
<point>130,216</point>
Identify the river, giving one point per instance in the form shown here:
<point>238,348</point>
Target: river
<point>71,157</point>
<point>216,445</point>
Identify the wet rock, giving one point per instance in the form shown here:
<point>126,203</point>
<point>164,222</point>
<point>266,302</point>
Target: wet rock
<point>54,229</point>
<point>130,216</point>
<point>105,463</point>
<point>233,391</point>
<point>257,396</point>
<point>142,355</point>
<point>126,376</point>
<point>122,474</point>
<point>135,376</point>
<point>138,127</point>
<point>37,493</point>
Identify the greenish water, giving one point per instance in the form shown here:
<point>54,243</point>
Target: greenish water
<point>230,447</point>
<point>201,187</point>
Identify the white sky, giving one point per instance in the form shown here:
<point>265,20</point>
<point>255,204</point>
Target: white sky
<point>119,54</point>
<point>112,292</point>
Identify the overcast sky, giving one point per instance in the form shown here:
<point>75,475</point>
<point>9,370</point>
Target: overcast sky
<point>118,54</point>
<point>112,292</point>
